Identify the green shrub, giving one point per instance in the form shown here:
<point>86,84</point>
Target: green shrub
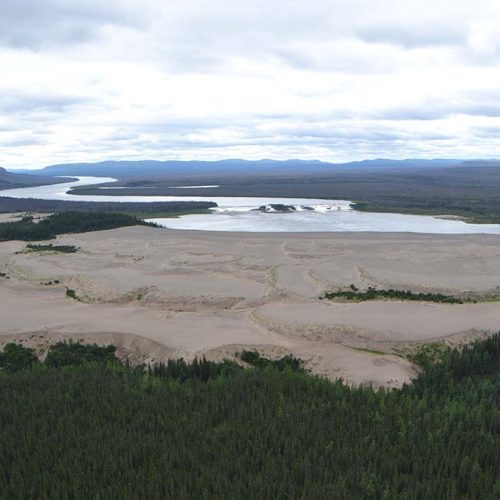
<point>15,358</point>
<point>52,248</point>
<point>373,294</point>
<point>285,363</point>
<point>72,353</point>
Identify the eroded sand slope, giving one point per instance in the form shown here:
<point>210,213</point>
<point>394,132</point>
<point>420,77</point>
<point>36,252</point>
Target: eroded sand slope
<point>159,293</point>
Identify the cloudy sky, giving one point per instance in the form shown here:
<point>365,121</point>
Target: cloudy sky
<point>88,80</point>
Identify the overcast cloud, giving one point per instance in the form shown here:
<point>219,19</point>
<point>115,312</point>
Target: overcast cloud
<point>334,80</point>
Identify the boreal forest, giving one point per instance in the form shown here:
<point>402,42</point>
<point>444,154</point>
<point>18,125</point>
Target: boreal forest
<point>82,424</point>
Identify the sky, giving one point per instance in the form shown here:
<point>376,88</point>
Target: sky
<point>334,80</point>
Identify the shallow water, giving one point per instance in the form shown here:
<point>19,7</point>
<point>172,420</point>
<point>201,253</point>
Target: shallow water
<point>239,214</point>
<point>349,221</point>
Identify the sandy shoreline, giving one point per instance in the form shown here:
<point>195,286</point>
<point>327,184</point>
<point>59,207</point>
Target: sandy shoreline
<point>159,293</point>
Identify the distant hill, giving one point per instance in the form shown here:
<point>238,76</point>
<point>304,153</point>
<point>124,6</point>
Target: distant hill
<point>10,180</point>
<point>181,168</point>
<point>175,168</point>
<point>481,163</point>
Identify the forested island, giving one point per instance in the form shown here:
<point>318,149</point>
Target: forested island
<point>82,424</point>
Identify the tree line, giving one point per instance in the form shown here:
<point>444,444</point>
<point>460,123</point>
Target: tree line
<point>11,205</point>
<point>27,229</point>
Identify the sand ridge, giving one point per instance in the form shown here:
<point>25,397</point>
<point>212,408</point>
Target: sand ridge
<point>188,293</point>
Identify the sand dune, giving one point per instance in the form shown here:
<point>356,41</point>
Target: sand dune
<point>159,293</point>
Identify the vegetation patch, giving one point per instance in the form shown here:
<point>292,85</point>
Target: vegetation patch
<point>148,209</point>
<point>253,358</point>
<point>200,370</point>
<point>51,248</point>
<point>277,207</point>
<point>75,353</point>
<point>72,294</point>
<point>66,222</point>
<point>355,295</point>
<point>15,358</point>
<point>426,354</point>
<point>48,283</point>
<point>370,351</point>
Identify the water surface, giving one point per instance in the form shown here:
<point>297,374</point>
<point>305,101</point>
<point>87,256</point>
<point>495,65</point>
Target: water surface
<point>339,221</point>
<point>242,214</point>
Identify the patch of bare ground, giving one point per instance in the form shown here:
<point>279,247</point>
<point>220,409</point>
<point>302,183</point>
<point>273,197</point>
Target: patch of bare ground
<point>158,294</point>
<point>133,349</point>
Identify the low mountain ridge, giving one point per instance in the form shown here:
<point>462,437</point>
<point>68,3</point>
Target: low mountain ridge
<point>181,168</point>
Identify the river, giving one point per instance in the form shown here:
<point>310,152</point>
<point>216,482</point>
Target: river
<point>242,214</point>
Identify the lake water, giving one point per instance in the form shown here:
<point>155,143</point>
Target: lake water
<point>240,214</point>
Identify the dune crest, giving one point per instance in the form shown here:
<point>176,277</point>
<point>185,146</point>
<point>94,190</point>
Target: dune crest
<point>158,294</point>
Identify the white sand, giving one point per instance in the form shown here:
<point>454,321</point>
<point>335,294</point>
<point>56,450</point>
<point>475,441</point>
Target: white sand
<point>163,293</point>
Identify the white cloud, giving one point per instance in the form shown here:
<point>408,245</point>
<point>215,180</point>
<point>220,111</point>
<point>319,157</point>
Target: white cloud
<point>327,79</point>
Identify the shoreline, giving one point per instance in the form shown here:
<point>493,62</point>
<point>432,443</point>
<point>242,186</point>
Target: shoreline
<point>364,214</point>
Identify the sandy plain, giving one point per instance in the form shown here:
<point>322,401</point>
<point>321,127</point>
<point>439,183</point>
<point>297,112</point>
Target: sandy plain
<point>159,294</point>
